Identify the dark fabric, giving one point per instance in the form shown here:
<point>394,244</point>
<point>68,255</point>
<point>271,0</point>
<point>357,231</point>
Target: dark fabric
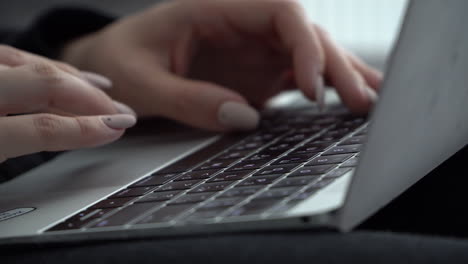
<point>17,166</point>
<point>52,30</point>
<point>271,248</point>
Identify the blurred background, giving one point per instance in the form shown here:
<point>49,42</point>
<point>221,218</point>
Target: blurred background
<point>368,27</point>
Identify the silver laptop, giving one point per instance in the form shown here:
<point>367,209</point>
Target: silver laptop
<point>300,169</point>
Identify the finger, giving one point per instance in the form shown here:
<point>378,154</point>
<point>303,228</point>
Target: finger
<point>39,86</point>
<point>201,104</point>
<point>349,83</point>
<point>13,57</point>
<point>25,134</point>
<point>287,20</point>
<point>372,76</point>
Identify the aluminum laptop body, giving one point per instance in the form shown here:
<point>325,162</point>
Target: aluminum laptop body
<point>419,122</point>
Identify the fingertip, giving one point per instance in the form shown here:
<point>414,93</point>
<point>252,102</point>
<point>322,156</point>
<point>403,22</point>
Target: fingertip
<point>119,122</point>
<point>238,116</point>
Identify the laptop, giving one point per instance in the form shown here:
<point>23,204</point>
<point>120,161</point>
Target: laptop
<point>299,169</point>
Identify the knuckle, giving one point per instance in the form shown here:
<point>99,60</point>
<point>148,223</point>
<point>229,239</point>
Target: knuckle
<point>47,127</point>
<point>85,126</point>
<point>67,68</point>
<point>48,72</point>
<point>11,56</point>
<point>289,6</point>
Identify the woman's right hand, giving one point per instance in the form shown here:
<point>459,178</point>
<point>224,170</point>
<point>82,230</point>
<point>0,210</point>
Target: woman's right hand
<point>61,108</point>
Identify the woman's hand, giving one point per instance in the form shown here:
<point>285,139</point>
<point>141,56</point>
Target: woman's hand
<point>203,62</point>
<point>61,107</point>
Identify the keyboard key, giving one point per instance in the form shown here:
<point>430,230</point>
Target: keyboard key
<point>311,171</point>
<point>322,183</point>
<point>337,173</point>
<point>326,120</point>
<point>235,154</point>
<point>276,193</point>
<point>196,175</point>
<point>297,181</point>
<point>281,146</point>
<point>349,149</point>
<point>263,137</point>
<point>248,146</point>
<point>279,169</point>
<point>351,163</point>
<point>353,122</point>
<point>241,191</point>
<point>112,203</point>
<point>322,160</point>
<point>133,192</point>
<point>292,159</point>
<point>230,176</point>
<point>339,132</point>
<point>247,165</point>
<point>310,148</point>
<point>222,203</point>
<point>154,180</point>
<point>192,198</point>
<point>127,214</point>
<point>166,214</point>
<point>329,138</point>
<point>211,187</point>
<point>253,208</point>
<point>214,165</point>
<point>296,137</point>
<point>263,156</point>
<point>159,196</point>
<point>260,180</point>
<point>303,195</point>
<point>73,223</point>
<point>182,185</point>
<point>204,214</point>
<point>90,213</point>
<point>81,219</point>
<point>354,140</point>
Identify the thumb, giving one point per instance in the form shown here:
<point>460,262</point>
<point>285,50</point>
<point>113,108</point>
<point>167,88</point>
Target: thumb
<point>26,134</point>
<point>205,105</point>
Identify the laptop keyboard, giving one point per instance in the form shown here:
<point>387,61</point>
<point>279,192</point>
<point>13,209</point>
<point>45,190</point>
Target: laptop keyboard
<point>287,160</point>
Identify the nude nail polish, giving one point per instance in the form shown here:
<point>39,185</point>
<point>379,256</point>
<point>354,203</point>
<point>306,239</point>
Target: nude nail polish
<point>372,94</point>
<point>97,80</point>
<point>238,116</point>
<point>320,93</point>
<point>124,109</point>
<point>119,121</point>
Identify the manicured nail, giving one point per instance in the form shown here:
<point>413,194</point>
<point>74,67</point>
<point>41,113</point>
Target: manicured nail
<point>238,116</point>
<point>320,93</point>
<point>124,109</point>
<point>97,80</point>
<point>119,121</point>
<point>372,94</point>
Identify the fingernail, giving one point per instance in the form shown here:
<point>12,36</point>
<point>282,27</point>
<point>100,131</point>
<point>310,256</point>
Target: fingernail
<point>97,80</point>
<point>238,116</point>
<point>372,94</point>
<point>124,109</point>
<point>320,93</point>
<point>119,121</point>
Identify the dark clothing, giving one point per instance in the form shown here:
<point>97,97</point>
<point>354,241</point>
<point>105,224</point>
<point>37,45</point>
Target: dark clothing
<point>432,208</point>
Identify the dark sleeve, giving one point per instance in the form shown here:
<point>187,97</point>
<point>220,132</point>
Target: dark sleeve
<point>52,30</point>
<point>46,37</point>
